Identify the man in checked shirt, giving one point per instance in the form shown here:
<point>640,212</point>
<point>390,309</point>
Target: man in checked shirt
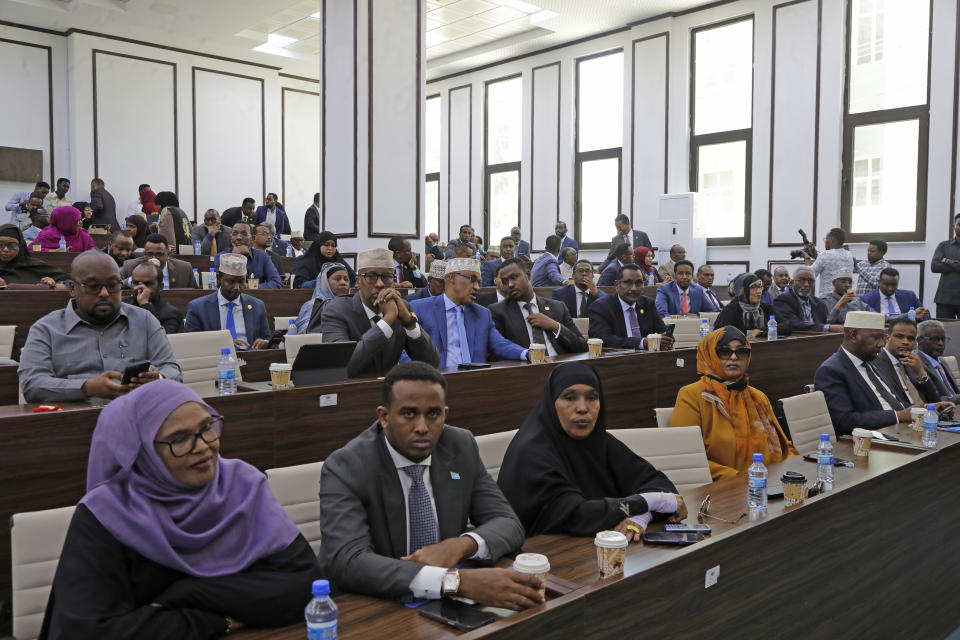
<point>869,269</point>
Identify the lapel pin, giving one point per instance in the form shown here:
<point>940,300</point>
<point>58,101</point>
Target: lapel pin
<point>641,311</point>
<point>546,308</point>
<point>250,306</point>
<point>454,475</point>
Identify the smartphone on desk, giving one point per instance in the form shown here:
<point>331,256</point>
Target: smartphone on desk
<point>671,537</point>
<point>683,527</point>
<point>456,614</point>
<point>469,366</point>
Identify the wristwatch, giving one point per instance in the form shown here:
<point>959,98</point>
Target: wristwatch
<point>413,325</point>
<point>923,380</point>
<point>451,582</point>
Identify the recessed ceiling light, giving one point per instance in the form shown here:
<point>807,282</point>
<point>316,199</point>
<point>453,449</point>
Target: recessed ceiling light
<point>273,50</point>
<point>277,40</point>
<point>520,5</point>
<point>316,16</point>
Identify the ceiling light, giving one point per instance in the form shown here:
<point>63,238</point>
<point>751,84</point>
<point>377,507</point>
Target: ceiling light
<point>277,40</point>
<point>316,16</point>
<point>273,50</point>
<point>542,16</point>
<point>520,5</point>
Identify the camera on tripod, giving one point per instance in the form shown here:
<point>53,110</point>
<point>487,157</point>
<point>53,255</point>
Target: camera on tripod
<point>808,248</point>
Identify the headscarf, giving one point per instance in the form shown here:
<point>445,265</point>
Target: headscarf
<point>172,221</point>
<point>143,230</point>
<point>754,427</point>
<point>309,316</point>
<point>736,285</point>
<point>147,200</point>
<point>639,255</point>
<point>218,530</point>
<point>166,199</point>
<point>64,221</point>
<point>548,475</point>
<point>752,314</point>
<point>312,261</point>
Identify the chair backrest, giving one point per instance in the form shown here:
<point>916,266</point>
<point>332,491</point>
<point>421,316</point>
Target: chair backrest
<point>807,417</point>
<point>678,452</point>
<point>493,446</point>
<point>36,540</point>
<point>6,340</point>
<point>185,249</point>
<point>662,414</point>
<point>952,365</point>
<point>687,333</point>
<point>282,323</point>
<point>583,325</point>
<point>297,489</point>
<point>711,316</point>
<point>293,343</point>
<point>197,354</point>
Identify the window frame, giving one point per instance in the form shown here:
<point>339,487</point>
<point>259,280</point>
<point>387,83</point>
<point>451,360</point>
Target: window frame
<point>719,137</point>
<point>435,176</point>
<point>503,167</point>
<point>851,121</point>
<point>579,157</point>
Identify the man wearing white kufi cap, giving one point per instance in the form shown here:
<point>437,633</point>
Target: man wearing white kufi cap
<point>377,318</point>
<point>230,308</point>
<point>842,299</point>
<point>463,330</point>
<point>438,268</point>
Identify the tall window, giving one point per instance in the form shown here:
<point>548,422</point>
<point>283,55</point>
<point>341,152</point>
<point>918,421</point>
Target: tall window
<point>431,165</point>
<point>597,197</point>
<point>721,122</point>
<point>886,127</point>
<point>504,146</point>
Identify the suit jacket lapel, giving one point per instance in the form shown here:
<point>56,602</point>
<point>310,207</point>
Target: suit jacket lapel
<point>516,324</point>
<point>360,322</point>
<point>618,320</point>
<point>446,494</point>
<point>866,390</point>
<point>544,304</point>
<point>393,500</point>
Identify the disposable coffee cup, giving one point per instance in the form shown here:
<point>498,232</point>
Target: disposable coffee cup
<point>538,352</point>
<point>862,439</point>
<point>916,418</point>
<point>596,347</point>
<point>794,488</point>
<point>534,564</point>
<point>653,342</point>
<point>280,375</point>
<point>36,247</point>
<point>253,283</point>
<point>611,550</point>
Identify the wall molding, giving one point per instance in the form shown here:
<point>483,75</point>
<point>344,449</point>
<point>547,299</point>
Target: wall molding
<point>283,136</point>
<point>533,98</point>
<point>49,51</point>
<point>470,155</point>
<point>633,107</point>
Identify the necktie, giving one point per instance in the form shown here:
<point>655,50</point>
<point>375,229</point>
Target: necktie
<point>423,524</point>
<point>399,273</point>
<point>458,342</point>
<point>213,245</point>
<point>890,310</point>
<point>582,313</point>
<point>634,323</point>
<point>537,331</point>
<point>947,379</point>
<point>911,390</point>
<point>231,323</point>
<point>684,305</point>
<point>881,390</point>
<point>807,316</point>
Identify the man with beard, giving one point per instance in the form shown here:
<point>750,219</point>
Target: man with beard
<point>624,320</point>
<point>120,246</point>
<point>146,295</point>
<point>582,293</point>
<point>803,310</point>
<point>902,368</point>
<point>230,308</point>
<point>931,342</point>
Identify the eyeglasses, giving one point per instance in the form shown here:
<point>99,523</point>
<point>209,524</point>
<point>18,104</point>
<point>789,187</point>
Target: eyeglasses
<point>704,512</point>
<point>725,352</point>
<point>371,278</point>
<point>584,272</point>
<point>182,444</point>
<point>473,279</point>
<point>95,287</point>
<point>632,283</point>
<point>9,246</point>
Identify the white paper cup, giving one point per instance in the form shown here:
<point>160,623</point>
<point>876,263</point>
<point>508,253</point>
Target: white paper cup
<point>538,353</point>
<point>916,418</point>
<point>534,564</point>
<point>596,347</point>
<point>253,283</point>
<point>653,342</point>
<point>280,375</point>
<point>611,550</point>
<point>862,439</point>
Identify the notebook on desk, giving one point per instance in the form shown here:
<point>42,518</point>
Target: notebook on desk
<point>324,363</point>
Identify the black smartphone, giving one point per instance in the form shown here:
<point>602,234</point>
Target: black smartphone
<point>671,537</point>
<point>837,462</point>
<point>276,338</point>
<point>469,366</point>
<point>134,370</point>
<point>682,527</point>
<point>456,614</point>
<point>669,331</point>
<point>774,490</point>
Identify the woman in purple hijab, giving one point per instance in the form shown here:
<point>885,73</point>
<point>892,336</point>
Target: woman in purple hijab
<point>171,540</point>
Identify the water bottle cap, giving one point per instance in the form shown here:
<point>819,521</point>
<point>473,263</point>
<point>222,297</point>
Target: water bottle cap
<point>292,320</point>
<point>225,351</point>
<point>931,407</point>
<point>772,317</point>
<point>321,587</point>
<point>911,308</point>
<point>212,270</point>
<point>758,457</point>
<point>824,437</point>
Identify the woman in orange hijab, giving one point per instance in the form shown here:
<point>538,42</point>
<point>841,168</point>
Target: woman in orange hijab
<point>736,419</point>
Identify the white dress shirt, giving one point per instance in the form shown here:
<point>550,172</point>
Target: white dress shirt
<point>271,217</point>
<point>526,314</point>
<point>858,364</point>
<point>885,305</point>
<point>166,277</point>
<point>397,265</point>
<point>237,314</point>
<point>134,208</point>
<point>428,583</point>
<point>566,271</point>
<point>387,330</point>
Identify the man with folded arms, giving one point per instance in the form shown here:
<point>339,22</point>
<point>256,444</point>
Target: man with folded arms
<point>395,502</point>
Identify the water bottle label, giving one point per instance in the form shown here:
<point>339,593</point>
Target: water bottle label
<point>825,460</point>
<point>322,630</point>
<point>758,483</point>
<point>227,374</point>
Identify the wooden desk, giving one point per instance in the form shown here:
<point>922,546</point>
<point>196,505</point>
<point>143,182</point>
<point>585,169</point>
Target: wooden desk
<point>63,260</point>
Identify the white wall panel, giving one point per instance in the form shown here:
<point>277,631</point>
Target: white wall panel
<point>460,150</point>
<point>228,139</point>
<point>340,117</point>
<point>545,160</point>
<point>301,152</point>
<point>792,194</point>
<point>135,102</point>
<point>26,119</point>
<point>649,174</point>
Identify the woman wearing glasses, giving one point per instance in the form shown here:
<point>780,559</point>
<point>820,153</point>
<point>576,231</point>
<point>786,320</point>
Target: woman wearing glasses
<point>736,419</point>
<point>171,540</point>
<point>746,312</point>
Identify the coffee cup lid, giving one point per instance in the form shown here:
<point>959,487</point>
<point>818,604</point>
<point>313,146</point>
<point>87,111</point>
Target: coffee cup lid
<point>537,345</point>
<point>595,341</point>
<point>531,563</point>
<point>654,335</point>
<point>281,366</point>
<point>862,433</point>
<point>917,411</point>
<point>793,477</point>
<point>610,540</point>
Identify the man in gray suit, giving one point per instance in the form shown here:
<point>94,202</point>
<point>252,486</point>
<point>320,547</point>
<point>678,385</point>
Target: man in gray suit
<point>213,235</point>
<point>377,319</point>
<point>631,238</point>
<point>395,502</point>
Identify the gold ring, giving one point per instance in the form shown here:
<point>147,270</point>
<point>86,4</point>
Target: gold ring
<point>633,528</point>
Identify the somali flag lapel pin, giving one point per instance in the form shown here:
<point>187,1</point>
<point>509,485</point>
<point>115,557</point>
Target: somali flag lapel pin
<point>454,475</point>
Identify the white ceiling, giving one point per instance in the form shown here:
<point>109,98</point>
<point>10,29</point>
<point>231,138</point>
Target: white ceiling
<point>460,34</point>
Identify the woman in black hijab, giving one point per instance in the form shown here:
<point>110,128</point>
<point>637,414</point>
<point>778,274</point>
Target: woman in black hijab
<point>323,250</point>
<point>17,266</point>
<point>563,473</point>
<point>746,312</point>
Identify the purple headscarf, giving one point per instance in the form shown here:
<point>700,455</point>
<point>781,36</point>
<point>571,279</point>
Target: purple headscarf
<point>218,530</point>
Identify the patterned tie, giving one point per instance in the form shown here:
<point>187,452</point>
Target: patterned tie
<point>583,305</point>
<point>890,310</point>
<point>911,390</point>
<point>231,323</point>
<point>537,331</point>
<point>423,524</point>
<point>684,305</point>
<point>807,315</point>
<point>399,273</point>
<point>634,323</point>
<point>895,404</point>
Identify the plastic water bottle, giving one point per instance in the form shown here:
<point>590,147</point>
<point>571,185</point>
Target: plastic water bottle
<point>198,248</point>
<point>704,327</point>
<point>292,327</point>
<point>63,244</point>
<point>930,423</point>
<point>757,488</point>
<point>729,278</point>
<point>196,276</point>
<point>321,613</point>
<point>226,373</point>
<point>772,328</point>
<point>289,251</point>
<point>825,461</point>
<point>651,281</point>
<point>212,282</point>
<point>912,314</point>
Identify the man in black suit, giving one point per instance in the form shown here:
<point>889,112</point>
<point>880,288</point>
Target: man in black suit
<point>582,293</point>
<point>931,342</point>
<point>145,282</point>
<point>244,213</point>
<point>525,317</point>
<point>389,533</point>
<point>803,310</point>
<point>103,205</point>
<point>623,320</point>
<point>901,368</point>
<point>311,220</point>
<point>408,274</point>
<point>176,274</point>
<point>632,239</point>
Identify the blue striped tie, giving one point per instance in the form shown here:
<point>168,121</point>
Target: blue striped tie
<point>423,523</point>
